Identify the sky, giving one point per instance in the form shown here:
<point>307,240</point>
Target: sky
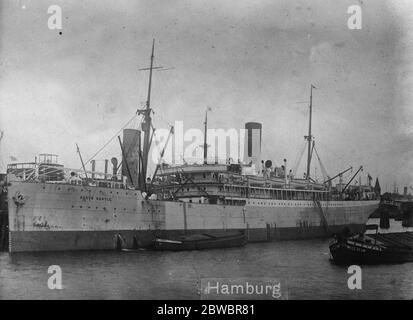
<point>246,60</point>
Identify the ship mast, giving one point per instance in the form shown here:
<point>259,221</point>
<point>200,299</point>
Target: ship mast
<point>205,136</point>
<point>309,137</point>
<point>147,120</point>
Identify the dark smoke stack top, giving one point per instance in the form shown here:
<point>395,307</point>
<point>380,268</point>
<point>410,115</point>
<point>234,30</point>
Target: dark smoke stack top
<point>253,137</point>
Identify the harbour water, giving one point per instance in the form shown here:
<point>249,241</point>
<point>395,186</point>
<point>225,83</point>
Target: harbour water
<point>303,265</point>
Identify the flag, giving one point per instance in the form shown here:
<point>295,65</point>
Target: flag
<point>13,158</point>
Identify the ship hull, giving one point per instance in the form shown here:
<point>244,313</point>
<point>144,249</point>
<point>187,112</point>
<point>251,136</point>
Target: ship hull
<point>31,241</point>
<point>55,217</point>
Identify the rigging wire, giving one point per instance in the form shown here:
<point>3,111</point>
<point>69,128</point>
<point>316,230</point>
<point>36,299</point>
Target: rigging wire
<point>323,169</point>
<point>127,123</point>
<point>111,139</point>
<point>334,154</point>
<point>265,147</point>
<point>156,138</point>
<point>299,158</point>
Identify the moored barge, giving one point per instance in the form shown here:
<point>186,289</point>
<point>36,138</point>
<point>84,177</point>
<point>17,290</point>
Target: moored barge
<point>373,248</point>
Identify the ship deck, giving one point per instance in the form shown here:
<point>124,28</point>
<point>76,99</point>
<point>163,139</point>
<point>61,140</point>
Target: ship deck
<point>399,239</point>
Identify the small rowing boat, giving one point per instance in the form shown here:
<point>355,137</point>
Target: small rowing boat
<point>201,241</point>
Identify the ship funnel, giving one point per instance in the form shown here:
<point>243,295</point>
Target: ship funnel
<point>253,136</point>
<point>115,166</point>
<point>131,147</point>
<point>106,168</point>
<point>93,168</point>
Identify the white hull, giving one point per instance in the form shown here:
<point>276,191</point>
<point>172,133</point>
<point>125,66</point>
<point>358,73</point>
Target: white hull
<point>71,217</point>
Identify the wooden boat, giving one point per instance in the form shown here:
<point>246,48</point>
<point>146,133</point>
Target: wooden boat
<point>373,248</point>
<point>201,241</point>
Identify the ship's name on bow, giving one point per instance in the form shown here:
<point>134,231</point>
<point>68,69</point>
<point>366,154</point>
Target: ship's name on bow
<point>90,198</point>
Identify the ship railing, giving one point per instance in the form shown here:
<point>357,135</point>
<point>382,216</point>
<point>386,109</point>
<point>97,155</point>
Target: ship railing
<point>21,166</point>
<point>200,161</point>
<point>22,171</point>
<point>191,168</point>
<point>222,186</point>
<point>244,191</point>
<point>58,174</point>
<point>218,174</point>
<point>33,171</point>
<point>364,245</point>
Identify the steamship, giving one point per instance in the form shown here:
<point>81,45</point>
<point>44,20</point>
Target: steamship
<point>52,208</point>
